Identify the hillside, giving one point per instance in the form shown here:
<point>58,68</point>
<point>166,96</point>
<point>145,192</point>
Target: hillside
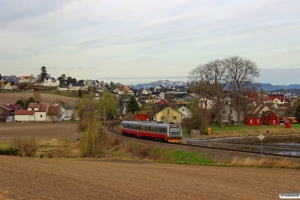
<point>46,98</point>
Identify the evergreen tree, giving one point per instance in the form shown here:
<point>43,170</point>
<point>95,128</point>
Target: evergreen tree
<point>79,93</point>
<point>132,105</point>
<point>297,114</point>
<point>43,74</point>
<point>22,103</point>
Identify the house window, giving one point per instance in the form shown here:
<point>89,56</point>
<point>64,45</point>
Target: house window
<point>250,121</point>
<point>257,120</point>
<point>41,116</point>
<point>32,109</point>
<point>162,118</point>
<point>174,117</point>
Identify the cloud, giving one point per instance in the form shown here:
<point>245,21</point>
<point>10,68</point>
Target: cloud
<point>145,38</point>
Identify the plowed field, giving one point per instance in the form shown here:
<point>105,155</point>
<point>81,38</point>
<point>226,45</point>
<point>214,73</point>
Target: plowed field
<point>46,98</point>
<point>36,178</point>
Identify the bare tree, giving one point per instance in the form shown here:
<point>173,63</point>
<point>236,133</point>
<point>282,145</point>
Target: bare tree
<point>210,80</point>
<point>242,73</point>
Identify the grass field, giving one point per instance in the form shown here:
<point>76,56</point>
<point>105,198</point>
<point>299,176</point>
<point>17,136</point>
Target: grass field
<point>243,130</point>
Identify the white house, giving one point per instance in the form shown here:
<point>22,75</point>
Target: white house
<point>50,82</point>
<point>186,113</point>
<point>35,112</point>
<point>229,113</point>
<point>206,103</point>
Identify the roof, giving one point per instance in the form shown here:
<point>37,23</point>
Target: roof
<point>170,109</point>
<point>24,112</point>
<point>269,112</point>
<point>53,110</point>
<point>259,108</point>
<point>41,106</point>
<point>179,95</point>
<point>77,84</point>
<point>10,106</point>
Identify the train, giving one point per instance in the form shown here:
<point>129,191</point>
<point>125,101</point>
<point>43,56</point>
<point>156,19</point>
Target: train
<point>144,129</point>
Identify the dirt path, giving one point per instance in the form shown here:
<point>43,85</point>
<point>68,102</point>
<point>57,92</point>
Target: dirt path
<point>34,178</point>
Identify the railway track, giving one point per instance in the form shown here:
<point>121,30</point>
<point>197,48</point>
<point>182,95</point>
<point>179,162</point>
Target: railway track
<point>112,126</point>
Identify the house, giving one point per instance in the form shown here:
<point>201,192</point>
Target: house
<point>270,118</point>
<point>64,111</point>
<point>118,91</point>
<point>163,102</point>
<point>101,89</point>
<point>13,79</point>
<point>26,79</point>
<point>54,114</point>
<point>275,97</point>
<point>142,116</point>
<point>76,86</point>
<point>179,96</point>
<point>62,88</point>
<point>159,88</point>
<point>186,113</point>
<point>188,97</point>
<point>254,120</point>
<point>168,115</point>
<point>36,112</point>
<point>50,81</point>
<point>180,89</point>
<point>7,112</point>
<point>230,115</point>
<point>207,103</point>
<point>170,94</point>
<point>260,109</point>
<point>158,95</point>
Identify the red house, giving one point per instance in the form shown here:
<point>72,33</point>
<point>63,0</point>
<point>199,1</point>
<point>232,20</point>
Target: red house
<point>253,120</point>
<point>270,118</point>
<point>141,116</point>
<point>163,102</point>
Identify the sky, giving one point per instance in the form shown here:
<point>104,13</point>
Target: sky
<point>137,41</point>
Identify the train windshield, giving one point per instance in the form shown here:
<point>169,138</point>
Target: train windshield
<point>175,129</point>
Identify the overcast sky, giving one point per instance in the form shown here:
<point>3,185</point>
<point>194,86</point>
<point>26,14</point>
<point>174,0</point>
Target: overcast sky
<point>136,41</point>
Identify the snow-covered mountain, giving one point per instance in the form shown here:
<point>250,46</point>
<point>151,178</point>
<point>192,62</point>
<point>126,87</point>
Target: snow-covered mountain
<point>165,83</point>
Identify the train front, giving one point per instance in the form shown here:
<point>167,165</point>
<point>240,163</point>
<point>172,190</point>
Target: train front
<point>174,133</point>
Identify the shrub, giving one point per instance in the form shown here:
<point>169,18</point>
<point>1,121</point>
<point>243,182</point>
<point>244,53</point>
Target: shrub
<point>11,151</point>
<point>26,147</point>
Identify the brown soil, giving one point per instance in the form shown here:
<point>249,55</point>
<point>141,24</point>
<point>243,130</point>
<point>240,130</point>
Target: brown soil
<point>46,98</point>
<point>33,178</point>
<point>38,131</point>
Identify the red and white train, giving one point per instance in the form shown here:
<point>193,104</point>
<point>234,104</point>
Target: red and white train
<point>167,132</point>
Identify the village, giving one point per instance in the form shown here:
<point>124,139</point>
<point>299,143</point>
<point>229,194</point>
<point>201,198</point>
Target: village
<point>160,104</point>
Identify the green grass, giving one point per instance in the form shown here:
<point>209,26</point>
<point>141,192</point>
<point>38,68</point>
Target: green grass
<point>185,133</point>
<point>180,156</point>
<point>66,94</point>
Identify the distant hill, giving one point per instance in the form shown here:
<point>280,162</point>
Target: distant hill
<point>165,83</point>
<point>168,83</point>
<point>270,87</point>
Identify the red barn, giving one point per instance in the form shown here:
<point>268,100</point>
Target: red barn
<point>270,118</point>
<point>253,120</point>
